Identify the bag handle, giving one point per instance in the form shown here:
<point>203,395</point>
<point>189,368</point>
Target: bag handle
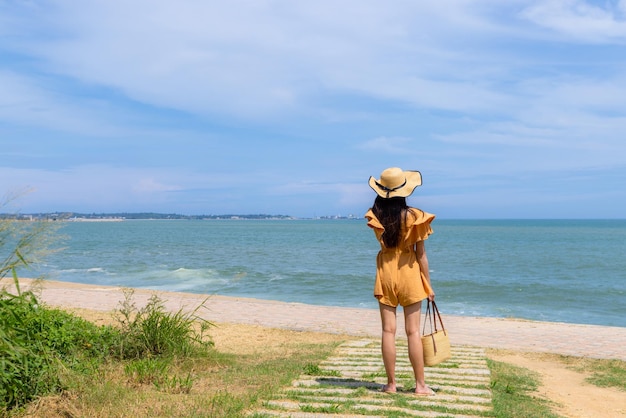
<point>432,317</point>
<point>435,310</point>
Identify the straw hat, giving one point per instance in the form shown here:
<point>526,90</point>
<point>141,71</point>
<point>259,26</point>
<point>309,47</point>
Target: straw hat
<point>394,182</point>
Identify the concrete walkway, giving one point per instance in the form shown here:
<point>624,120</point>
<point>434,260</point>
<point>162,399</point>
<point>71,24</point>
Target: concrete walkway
<point>348,385</point>
<point>568,339</point>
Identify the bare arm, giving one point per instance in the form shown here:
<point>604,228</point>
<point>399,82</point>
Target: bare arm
<point>422,260</point>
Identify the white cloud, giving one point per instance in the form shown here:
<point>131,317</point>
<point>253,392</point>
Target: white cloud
<point>150,185</point>
<point>264,59</point>
<point>27,101</point>
<point>256,59</point>
<point>391,145</point>
<point>44,102</point>
<point>89,186</point>
<point>580,20</point>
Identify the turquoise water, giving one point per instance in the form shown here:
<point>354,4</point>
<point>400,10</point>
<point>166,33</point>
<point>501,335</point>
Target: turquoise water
<point>553,270</point>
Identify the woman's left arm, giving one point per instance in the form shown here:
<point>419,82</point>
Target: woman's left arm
<point>422,260</point>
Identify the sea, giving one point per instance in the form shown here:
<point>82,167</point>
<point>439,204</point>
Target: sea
<point>571,271</point>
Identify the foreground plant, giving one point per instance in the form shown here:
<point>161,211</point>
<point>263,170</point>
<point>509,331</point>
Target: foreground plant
<point>45,351</point>
<point>27,369</point>
<point>39,345</point>
<point>24,243</point>
<point>152,331</point>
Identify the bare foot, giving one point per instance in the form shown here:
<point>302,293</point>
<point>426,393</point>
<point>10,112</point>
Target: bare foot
<point>424,391</point>
<point>389,388</point>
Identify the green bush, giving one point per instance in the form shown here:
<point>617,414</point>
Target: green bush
<point>36,342</point>
<point>152,331</point>
<point>24,367</point>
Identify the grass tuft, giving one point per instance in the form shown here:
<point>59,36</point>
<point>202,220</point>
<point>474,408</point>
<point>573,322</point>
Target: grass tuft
<point>603,372</point>
<point>513,392</point>
<point>315,370</point>
<point>152,331</point>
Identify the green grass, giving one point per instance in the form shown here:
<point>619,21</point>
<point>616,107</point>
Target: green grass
<point>610,373</point>
<point>39,346</point>
<point>603,373</point>
<point>151,331</point>
<point>513,392</point>
<point>44,351</point>
<point>315,370</point>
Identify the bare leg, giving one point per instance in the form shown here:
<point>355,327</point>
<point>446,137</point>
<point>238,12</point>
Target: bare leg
<point>388,320</point>
<point>416,350</point>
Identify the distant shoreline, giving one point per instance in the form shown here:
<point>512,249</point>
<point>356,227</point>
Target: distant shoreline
<point>174,216</point>
<point>78,217</point>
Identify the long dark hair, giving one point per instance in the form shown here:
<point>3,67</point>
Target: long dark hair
<point>390,213</point>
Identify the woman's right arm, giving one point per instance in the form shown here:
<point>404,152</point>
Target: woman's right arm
<point>422,260</point>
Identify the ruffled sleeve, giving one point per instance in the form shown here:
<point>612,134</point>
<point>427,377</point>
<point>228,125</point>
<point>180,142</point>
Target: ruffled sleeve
<point>372,221</point>
<point>419,225</point>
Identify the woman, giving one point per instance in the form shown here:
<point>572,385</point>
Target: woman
<point>401,268</point>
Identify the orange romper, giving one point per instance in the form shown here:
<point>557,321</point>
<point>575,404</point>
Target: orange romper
<point>398,276</point>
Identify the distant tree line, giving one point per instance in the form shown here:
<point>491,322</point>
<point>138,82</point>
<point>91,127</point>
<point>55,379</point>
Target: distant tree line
<point>138,215</point>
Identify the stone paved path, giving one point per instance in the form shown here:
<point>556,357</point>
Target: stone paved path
<point>348,385</point>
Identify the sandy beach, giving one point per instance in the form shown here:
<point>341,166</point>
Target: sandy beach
<point>502,333</point>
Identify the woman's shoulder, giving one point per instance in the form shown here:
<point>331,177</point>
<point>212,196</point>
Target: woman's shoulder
<point>419,216</point>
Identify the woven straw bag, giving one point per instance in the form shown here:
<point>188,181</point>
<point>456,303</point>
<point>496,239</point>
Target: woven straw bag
<point>437,343</point>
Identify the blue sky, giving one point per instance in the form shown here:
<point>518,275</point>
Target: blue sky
<point>510,109</point>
